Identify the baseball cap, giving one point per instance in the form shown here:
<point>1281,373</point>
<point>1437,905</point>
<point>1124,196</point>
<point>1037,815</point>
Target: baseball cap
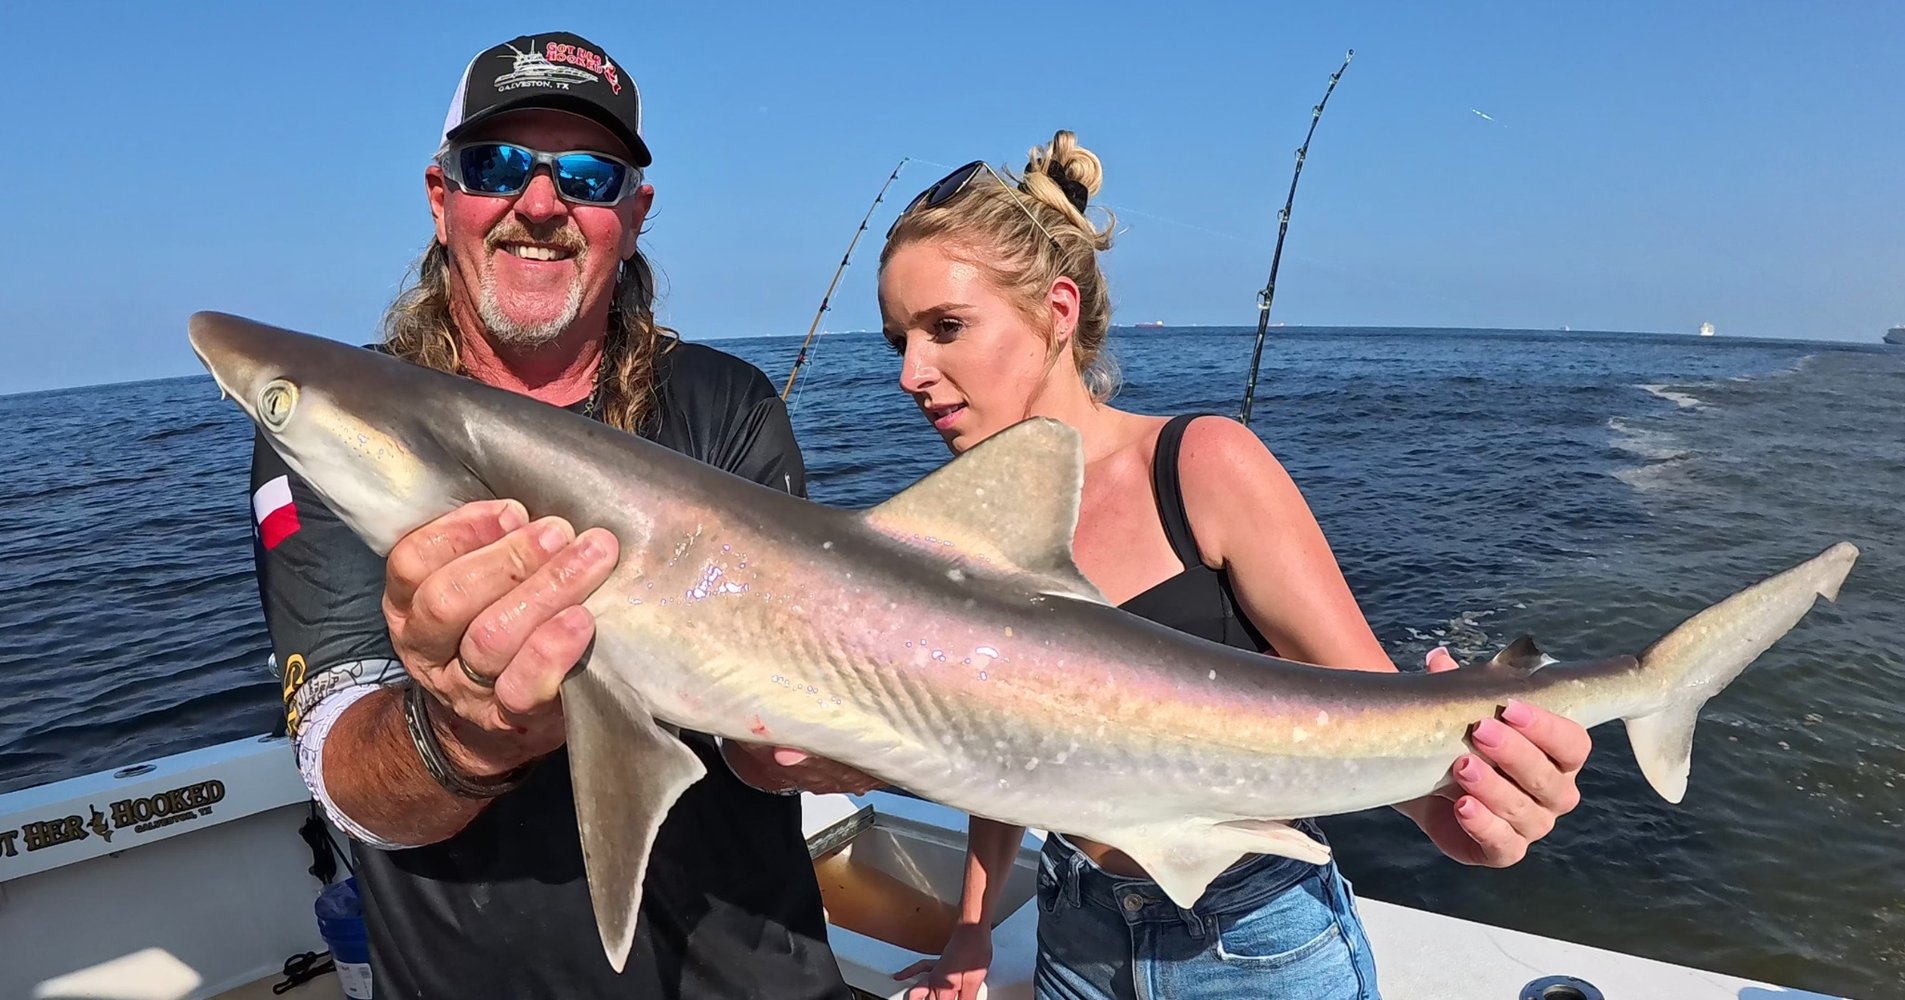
<point>555,70</point>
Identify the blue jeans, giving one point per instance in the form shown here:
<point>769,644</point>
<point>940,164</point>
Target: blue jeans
<point>1271,927</point>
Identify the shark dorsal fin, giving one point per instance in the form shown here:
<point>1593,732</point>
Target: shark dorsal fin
<point>1523,655</point>
<point>1009,505</point>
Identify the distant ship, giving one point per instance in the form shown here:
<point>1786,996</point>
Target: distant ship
<point>1706,329</point>
<point>1151,324</point>
<point>1896,335</point>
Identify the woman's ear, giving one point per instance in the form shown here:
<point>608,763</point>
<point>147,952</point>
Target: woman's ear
<point>1062,302</point>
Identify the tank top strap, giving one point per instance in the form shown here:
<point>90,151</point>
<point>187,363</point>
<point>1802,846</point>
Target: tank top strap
<point>1170,491</point>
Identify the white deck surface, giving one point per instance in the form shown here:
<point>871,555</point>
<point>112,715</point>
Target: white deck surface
<point>1419,955</point>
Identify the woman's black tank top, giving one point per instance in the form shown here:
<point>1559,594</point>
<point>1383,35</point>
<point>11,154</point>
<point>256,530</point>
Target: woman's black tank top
<point>1198,600</point>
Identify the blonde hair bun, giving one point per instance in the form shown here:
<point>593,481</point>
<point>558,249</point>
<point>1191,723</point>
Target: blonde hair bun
<point>1065,176</point>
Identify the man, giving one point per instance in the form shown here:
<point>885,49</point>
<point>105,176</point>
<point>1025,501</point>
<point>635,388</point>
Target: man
<point>422,690</point>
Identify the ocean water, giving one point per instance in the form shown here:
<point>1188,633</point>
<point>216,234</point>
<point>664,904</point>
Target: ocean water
<point>1589,489</point>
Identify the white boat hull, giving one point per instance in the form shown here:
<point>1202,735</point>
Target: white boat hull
<point>211,906</point>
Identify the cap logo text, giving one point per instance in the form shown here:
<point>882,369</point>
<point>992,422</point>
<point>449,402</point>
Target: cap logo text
<point>575,55</point>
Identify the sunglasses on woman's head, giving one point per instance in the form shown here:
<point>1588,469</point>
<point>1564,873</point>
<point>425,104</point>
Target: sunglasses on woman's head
<point>504,169</point>
<point>942,191</point>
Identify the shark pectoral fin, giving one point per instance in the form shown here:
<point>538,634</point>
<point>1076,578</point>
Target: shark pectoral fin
<point>627,773</point>
<point>1184,860</point>
<point>1009,505</point>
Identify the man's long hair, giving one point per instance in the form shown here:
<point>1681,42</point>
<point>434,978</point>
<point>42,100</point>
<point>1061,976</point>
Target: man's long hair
<point>417,328</point>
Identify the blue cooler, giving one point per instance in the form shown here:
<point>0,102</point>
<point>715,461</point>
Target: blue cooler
<point>340,920</point>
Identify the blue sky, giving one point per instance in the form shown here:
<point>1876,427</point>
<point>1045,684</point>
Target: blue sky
<point>1648,166</point>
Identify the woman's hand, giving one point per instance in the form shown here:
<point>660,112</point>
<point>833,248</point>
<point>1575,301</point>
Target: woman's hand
<point>1520,779</point>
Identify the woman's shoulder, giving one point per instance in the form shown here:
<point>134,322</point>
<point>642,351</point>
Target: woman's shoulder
<point>1208,446</point>
<point>1229,478</point>
<point>1214,444</point>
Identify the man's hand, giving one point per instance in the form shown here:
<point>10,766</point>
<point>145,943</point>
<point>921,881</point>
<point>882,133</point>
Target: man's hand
<point>959,973</point>
<point>484,611</point>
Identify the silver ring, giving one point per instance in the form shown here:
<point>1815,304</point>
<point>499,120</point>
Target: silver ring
<point>475,678</point>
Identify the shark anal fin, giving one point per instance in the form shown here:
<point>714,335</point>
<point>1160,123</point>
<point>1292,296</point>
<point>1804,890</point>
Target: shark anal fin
<point>1183,860</point>
<point>1009,505</point>
<point>627,771</point>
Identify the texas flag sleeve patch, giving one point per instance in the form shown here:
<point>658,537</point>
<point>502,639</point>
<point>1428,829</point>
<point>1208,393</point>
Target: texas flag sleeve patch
<point>276,515</point>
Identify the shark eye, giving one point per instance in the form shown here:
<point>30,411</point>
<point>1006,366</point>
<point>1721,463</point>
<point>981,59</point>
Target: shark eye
<point>276,402</point>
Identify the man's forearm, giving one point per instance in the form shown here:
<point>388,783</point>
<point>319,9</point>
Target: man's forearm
<point>373,775</point>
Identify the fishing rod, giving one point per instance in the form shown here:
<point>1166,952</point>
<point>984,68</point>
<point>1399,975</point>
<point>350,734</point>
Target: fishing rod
<point>828,298</point>
<point>1283,227</point>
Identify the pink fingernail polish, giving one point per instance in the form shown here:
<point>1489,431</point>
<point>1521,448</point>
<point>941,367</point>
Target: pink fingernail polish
<point>1517,713</point>
<point>1489,733</point>
<point>1467,809</point>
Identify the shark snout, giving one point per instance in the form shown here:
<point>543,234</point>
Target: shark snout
<point>227,346</point>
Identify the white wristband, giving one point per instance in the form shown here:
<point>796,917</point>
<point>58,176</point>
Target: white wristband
<point>310,744</point>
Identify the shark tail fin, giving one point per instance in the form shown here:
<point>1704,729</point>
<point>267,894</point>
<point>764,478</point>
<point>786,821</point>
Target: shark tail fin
<point>1703,655</point>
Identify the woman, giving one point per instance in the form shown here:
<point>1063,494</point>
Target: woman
<point>993,297</point>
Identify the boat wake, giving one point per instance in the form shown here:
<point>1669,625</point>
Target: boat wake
<point>1677,395</point>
